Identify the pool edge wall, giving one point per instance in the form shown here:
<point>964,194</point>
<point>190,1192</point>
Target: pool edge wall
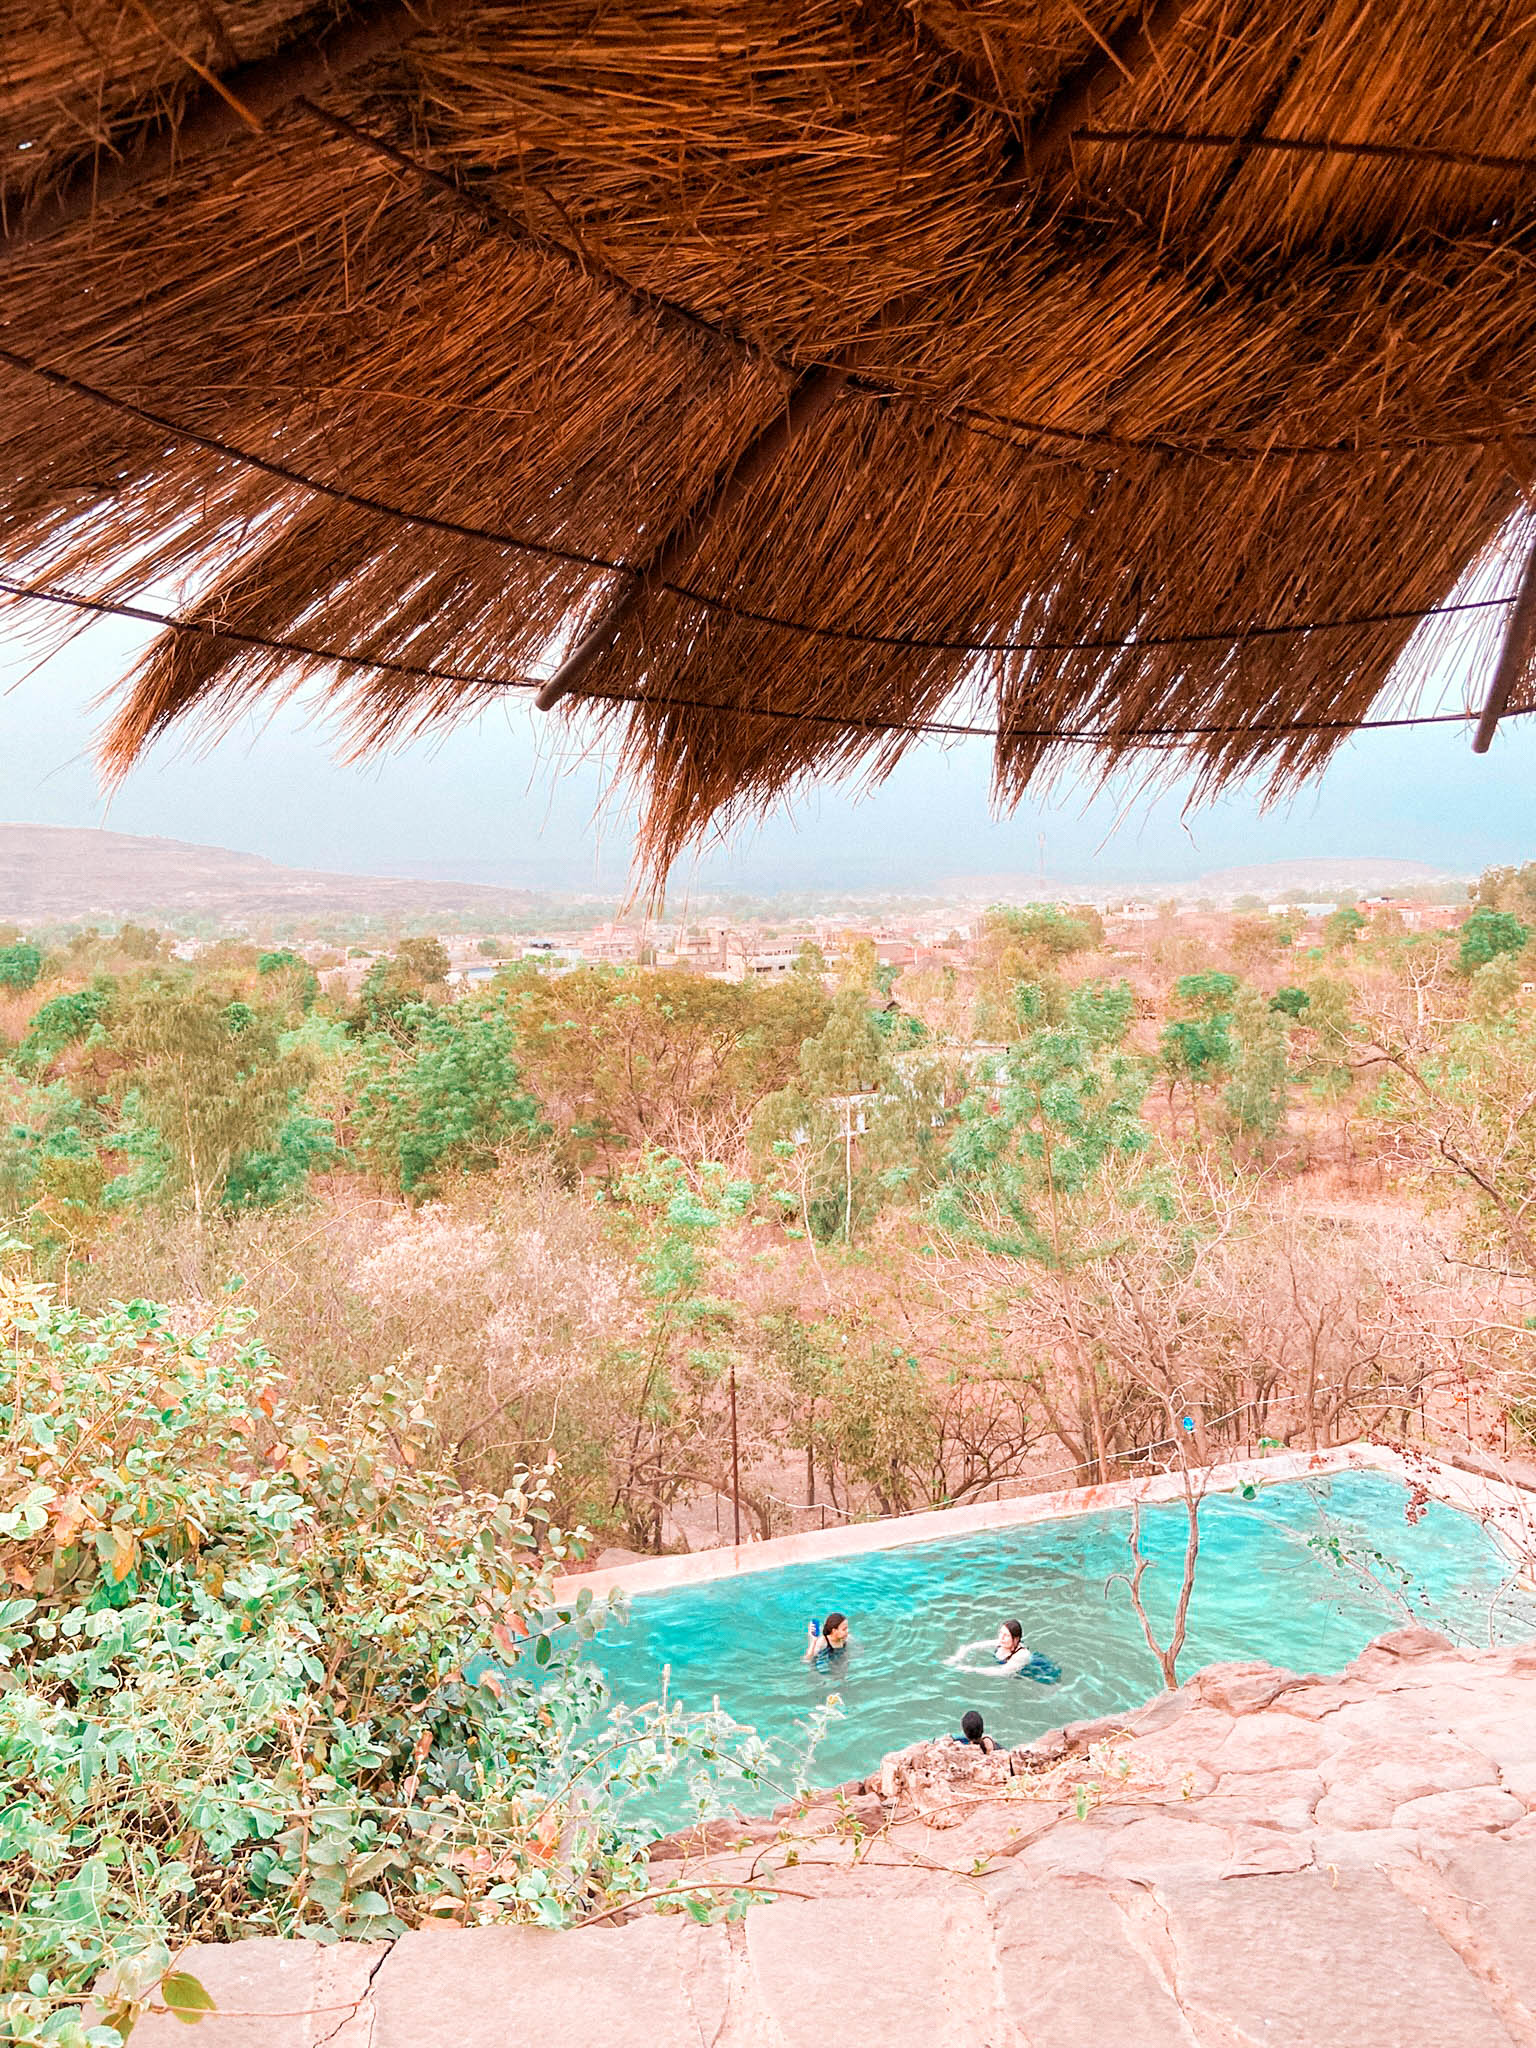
<point>1505,1507</point>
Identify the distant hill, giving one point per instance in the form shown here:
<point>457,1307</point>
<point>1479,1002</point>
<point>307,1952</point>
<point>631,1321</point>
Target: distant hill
<point>1369,875</point>
<point>1322,876</point>
<point>58,872</point>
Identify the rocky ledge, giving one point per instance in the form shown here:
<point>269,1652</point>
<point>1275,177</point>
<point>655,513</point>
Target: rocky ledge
<point>1258,1858</point>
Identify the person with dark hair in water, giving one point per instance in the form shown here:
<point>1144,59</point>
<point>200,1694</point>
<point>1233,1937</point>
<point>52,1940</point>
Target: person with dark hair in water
<point>973,1733</point>
<point>828,1645</point>
<point>1012,1652</point>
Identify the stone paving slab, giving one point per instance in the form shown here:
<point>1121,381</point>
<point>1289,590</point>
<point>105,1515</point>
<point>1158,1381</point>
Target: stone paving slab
<point>1075,1976</point>
<point>275,1994</point>
<point>660,1983</point>
<point>865,1972</point>
<point>1318,1960</point>
<point>1488,1889</point>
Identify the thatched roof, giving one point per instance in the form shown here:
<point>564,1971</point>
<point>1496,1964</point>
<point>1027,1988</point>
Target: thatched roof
<point>797,370</point>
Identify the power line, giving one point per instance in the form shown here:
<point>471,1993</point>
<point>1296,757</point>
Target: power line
<point>710,600</point>
<point>926,728</point>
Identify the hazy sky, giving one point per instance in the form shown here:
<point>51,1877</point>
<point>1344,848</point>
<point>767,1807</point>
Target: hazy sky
<point>495,801</point>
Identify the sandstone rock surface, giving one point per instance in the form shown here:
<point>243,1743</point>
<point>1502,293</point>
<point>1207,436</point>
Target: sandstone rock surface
<point>1259,1858</point>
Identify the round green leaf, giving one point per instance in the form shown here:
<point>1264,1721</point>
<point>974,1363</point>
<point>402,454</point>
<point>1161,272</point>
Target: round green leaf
<point>185,1997</point>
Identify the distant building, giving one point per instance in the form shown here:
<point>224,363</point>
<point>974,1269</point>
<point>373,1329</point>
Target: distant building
<point>703,948</point>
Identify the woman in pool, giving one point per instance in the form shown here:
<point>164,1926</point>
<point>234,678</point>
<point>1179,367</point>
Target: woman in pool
<point>1012,1652</point>
<point>829,1643</point>
<point>973,1733</point>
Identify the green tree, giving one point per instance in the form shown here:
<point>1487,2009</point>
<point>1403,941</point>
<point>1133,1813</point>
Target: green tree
<point>1027,946</point>
<point>882,1416</point>
<point>302,1144</point>
<point>1047,1130</point>
<point>684,1362</point>
<point>1486,934</point>
<point>208,1077</point>
<point>1495,988</point>
<point>49,1136</point>
<point>1342,927</point>
<point>1509,889</point>
<point>449,1100</point>
<point>859,1122</point>
<point>61,1022</point>
<point>661,1059</point>
<point>20,965</point>
<point>139,942</point>
<point>394,988</point>
<point>295,980</point>
<point>1255,1094</point>
<point>1197,1049</point>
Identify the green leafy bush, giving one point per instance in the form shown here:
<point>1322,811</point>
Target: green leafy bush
<point>64,1021</point>
<point>449,1101</point>
<point>1486,934</point>
<point>260,1677</point>
<point>302,1144</point>
<point>1290,1002</point>
<point>20,965</point>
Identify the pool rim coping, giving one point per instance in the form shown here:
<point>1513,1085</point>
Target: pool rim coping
<point>1502,1505</point>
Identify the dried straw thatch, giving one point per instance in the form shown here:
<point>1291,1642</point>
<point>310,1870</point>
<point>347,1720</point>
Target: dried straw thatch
<point>781,365</point>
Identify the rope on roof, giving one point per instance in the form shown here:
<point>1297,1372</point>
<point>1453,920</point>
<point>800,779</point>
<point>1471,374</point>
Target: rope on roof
<point>711,600</point>
<point>239,102</point>
<point>360,501</point>
<point>977,419</point>
<point>43,593</point>
<point>1311,145</point>
<point>496,217</point>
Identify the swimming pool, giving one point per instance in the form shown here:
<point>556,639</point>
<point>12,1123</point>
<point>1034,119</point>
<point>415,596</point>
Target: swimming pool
<point>1266,1587</point>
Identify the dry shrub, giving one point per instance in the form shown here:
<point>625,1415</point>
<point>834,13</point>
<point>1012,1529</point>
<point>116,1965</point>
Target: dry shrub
<point>511,1300</point>
<point>505,1301</point>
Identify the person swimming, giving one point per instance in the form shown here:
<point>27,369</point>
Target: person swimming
<point>1012,1652</point>
<point>829,1643</point>
<point>973,1733</point>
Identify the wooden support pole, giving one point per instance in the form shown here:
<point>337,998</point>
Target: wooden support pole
<point>1514,656</point>
<point>240,103</point>
<point>735,1462</point>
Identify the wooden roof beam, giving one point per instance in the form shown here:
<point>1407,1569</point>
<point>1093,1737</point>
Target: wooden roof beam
<point>240,102</point>
<point>1121,58</point>
<point>1514,655</point>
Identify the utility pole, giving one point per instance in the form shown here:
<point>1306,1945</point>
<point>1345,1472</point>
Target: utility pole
<point>847,1169</point>
<point>735,1457</point>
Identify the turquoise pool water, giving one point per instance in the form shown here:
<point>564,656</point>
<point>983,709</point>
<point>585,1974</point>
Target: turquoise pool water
<point>1263,1589</point>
